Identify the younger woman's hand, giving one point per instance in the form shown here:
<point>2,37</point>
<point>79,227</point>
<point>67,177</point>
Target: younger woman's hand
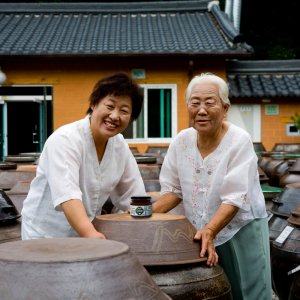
<point>93,233</point>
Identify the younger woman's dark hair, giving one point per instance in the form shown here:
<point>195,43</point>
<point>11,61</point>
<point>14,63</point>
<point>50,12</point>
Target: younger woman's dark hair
<point>118,84</point>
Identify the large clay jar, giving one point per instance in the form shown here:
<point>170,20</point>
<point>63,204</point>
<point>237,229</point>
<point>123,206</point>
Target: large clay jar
<point>142,158</point>
<point>263,178</point>
<point>288,147</point>
<point>157,240</point>
<point>158,151</point>
<point>162,150</point>
<point>280,171</point>
<point>270,192</point>
<point>152,185</point>
<point>10,226</point>
<point>276,226</point>
<point>295,287</point>
<point>8,211</point>
<point>292,176</point>
<point>192,281</point>
<point>11,177</point>
<point>8,165</point>
<point>73,269</point>
<point>259,147</point>
<point>18,193</point>
<point>10,232</point>
<point>283,204</point>
<point>263,161</point>
<point>165,246</point>
<point>149,172</point>
<point>275,169</point>
<point>294,294</point>
<point>285,258</point>
<point>295,185</point>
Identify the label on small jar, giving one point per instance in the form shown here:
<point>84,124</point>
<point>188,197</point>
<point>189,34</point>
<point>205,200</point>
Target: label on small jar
<point>141,206</point>
<point>141,210</point>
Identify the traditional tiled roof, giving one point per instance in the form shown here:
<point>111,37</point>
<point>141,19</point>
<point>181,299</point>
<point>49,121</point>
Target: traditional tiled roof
<point>136,28</point>
<point>257,79</point>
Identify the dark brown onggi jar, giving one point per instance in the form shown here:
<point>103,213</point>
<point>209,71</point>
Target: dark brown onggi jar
<point>141,206</point>
<point>275,169</point>
<point>285,259</point>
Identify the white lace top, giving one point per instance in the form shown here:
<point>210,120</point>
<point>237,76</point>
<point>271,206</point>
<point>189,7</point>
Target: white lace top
<point>227,175</point>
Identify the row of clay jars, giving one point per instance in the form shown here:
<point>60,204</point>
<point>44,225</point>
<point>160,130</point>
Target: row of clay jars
<point>274,168</point>
<point>280,171</point>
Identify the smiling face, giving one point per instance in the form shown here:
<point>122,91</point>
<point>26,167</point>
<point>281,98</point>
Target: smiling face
<point>110,116</point>
<point>206,109</point>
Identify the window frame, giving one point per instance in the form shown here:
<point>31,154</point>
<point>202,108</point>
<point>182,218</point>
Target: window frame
<point>288,130</point>
<point>146,87</point>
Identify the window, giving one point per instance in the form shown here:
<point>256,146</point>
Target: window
<point>158,119</point>
<point>291,130</point>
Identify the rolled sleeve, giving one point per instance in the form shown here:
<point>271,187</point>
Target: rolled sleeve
<point>169,179</point>
<point>239,178</point>
<point>63,165</point>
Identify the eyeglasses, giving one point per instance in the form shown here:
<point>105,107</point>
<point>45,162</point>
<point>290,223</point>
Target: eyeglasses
<point>208,104</point>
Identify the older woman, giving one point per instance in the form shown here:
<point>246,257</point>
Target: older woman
<point>212,167</point>
<point>84,163</point>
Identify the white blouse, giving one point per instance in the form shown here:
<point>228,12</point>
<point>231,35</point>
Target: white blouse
<point>228,175</point>
<point>69,169</point>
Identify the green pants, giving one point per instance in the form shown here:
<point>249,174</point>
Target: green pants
<point>246,261</point>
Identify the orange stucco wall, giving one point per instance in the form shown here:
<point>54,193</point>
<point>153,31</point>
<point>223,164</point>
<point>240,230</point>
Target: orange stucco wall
<point>274,126</point>
<point>73,79</point>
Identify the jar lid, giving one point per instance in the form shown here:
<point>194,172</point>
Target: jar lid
<point>294,217</point>
<point>285,202</point>
<point>141,198</point>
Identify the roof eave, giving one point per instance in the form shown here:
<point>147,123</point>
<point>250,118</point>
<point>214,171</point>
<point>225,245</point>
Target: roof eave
<point>105,7</point>
<point>262,66</point>
<point>202,54</point>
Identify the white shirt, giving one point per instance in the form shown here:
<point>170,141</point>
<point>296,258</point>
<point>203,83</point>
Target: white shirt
<point>69,169</point>
<point>228,175</point>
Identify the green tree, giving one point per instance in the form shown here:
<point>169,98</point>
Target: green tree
<point>296,119</point>
<point>271,28</point>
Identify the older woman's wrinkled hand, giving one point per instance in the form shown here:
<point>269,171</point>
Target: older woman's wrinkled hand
<point>206,235</point>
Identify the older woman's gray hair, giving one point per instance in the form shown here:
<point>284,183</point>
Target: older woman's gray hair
<point>220,82</point>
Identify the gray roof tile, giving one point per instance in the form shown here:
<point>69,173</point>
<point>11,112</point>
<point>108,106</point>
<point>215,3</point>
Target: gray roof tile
<point>258,79</point>
<point>175,27</point>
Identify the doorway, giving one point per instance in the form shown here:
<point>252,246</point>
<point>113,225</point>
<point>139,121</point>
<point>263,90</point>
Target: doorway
<point>25,119</point>
<point>23,127</point>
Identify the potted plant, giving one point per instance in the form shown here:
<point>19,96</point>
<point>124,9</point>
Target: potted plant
<point>296,119</point>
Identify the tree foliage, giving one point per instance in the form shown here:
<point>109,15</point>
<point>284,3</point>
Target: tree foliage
<point>271,28</point>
